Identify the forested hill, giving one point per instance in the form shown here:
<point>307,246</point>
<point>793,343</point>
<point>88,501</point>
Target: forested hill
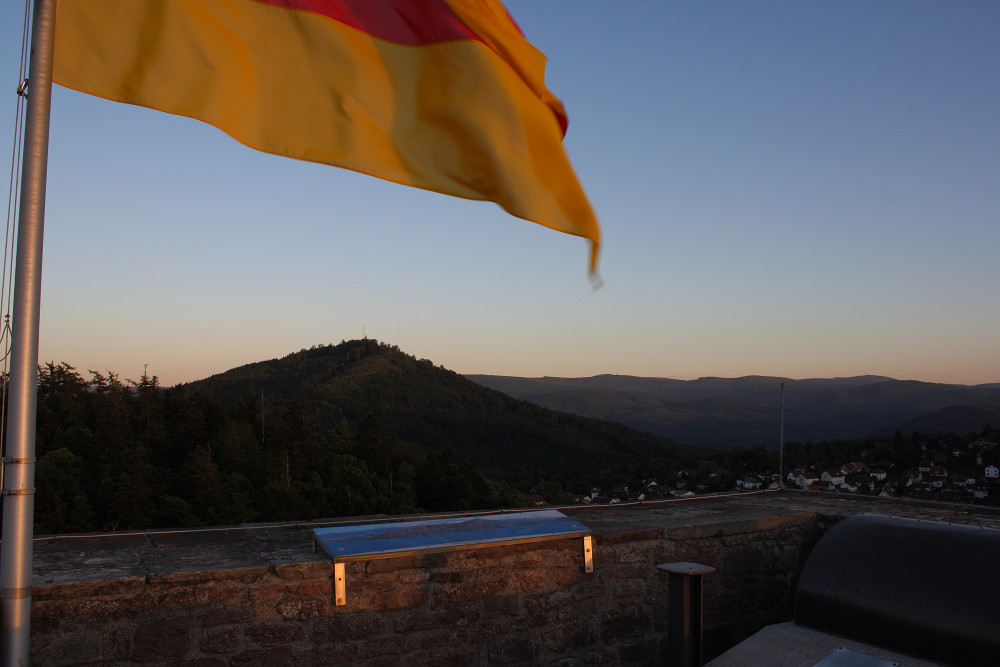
<point>436,409</point>
<point>352,429</point>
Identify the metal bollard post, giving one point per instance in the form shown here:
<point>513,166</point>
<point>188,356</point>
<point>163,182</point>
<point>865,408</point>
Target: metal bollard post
<point>684,613</point>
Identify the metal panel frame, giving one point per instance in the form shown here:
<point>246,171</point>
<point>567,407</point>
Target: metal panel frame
<point>340,577</point>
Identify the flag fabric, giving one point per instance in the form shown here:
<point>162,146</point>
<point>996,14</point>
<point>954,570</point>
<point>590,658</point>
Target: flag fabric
<point>444,95</point>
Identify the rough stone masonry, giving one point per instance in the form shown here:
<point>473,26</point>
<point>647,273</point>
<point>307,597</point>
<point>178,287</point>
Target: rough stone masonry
<point>259,595</point>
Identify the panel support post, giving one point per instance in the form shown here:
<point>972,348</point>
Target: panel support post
<point>684,614</point>
<point>339,585</point>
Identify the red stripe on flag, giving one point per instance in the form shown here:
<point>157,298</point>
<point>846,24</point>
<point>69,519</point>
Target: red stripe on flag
<point>410,22</point>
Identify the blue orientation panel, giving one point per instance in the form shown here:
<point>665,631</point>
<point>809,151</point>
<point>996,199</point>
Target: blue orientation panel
<point>427,535</point>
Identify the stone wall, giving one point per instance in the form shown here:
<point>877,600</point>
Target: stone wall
<point>524,604</point>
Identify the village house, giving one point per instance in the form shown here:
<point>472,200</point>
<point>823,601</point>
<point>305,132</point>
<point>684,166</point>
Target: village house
<point>749,483</point>
<point>980,491</point>
<point>833,476</point>
<point>803,478</point>
<point>938,473</point>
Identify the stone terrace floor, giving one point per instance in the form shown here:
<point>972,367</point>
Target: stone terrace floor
<point>95,557</point>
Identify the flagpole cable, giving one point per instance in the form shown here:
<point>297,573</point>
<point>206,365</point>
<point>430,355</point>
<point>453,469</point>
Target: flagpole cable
<point>13,190</point>
<point>19,470</point>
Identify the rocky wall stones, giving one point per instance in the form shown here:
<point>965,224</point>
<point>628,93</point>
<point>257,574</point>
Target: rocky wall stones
<point>520,605</point>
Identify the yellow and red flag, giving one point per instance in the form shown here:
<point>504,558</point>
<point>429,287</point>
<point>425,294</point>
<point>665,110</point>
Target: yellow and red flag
<point>445,95</point>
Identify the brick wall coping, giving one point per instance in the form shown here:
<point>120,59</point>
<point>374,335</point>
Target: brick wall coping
<point>90,561</point>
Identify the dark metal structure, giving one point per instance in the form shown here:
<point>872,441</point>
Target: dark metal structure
<point>684,614</point>
<point>920,587</point>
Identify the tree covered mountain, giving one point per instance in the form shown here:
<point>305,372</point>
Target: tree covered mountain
<point>352,429</point>
<point>416,401</point>
<point>746,411</point>
<point>363,428</point>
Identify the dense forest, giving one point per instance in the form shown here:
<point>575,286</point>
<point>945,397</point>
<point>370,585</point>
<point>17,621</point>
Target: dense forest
<point>353,429</point>
<point>350,429</point>
<point>116,455</point>
<point>416,401</point>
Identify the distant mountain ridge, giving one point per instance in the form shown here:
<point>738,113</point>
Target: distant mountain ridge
<point>746,411</point>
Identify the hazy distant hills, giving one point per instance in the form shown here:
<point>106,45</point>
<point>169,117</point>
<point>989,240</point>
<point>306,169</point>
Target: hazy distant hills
<point>435,408</point>
<point>511,426</point>
<point>961,419</point>
<point>746,411</point>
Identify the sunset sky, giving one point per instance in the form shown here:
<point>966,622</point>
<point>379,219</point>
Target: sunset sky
<point>792,188</point>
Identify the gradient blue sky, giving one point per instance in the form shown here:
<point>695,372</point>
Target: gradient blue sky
<point>794,188</point>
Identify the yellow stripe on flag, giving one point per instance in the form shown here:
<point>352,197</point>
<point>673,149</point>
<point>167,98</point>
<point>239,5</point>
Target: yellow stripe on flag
<point>462,117</point>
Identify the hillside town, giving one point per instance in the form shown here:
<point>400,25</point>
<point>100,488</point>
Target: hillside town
<point>955,474</point>
<point>949,472</point>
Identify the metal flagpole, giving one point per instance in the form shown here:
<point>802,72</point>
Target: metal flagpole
<point>781,441</point>
<point>19,468</point>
